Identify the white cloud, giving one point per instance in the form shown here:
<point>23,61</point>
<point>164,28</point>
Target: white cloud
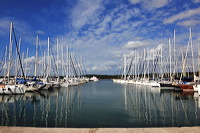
<point>101,41</point>
<point>183,15</point>
<point>30,59</point>
<point>189,23</point>
<point>85,12</point>
<point>135,1</point>
<point>196,1</point>
<point>22,29</point>
<point>135,44</point>
<point>151,4</point>
<point>156,3</point>
<point>39,32</point>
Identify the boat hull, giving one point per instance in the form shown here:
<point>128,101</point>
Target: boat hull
<point>13,89</point>
<point>186,87</point>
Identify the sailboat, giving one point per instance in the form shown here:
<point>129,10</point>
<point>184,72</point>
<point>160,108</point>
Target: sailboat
<point>11,87</point>
<point>188,86</point>
<point>93,78</point>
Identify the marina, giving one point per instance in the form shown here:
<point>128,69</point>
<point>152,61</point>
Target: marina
<point>101,104</point>
<point>98,66</point>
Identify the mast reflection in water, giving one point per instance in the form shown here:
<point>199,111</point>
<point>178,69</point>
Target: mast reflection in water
<point>101,104</point>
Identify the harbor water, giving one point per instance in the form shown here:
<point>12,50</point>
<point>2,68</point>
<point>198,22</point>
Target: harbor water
<point>101,104</point>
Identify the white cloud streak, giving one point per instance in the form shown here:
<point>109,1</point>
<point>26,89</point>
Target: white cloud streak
<point>85,12</point>
<point>196,1</point>
<point>189,23</point>
<point>135,44</point>
<point>151,4</point>
<point>183,15</point>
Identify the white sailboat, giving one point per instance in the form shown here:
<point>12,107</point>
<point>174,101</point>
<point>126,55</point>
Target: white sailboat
<point>11,87</point>
<point>94,78</point>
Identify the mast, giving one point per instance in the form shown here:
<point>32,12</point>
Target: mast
<point>124,67</point>
<point>135,73</point>
<point>48,52</point>
<point>161,64</point>
<point>199,59</point>
<point>183,62</point>
<point>44,65</point>
<point>16,64</point>
<point>5,63</point>
<point>170,60</point>
<point>193,69</point>
<point>57,57</point>
<point>20,61</point>
<point>26,62</point>
<point>62,61</point>
<point>174,52</point>
<point>10,53</point>
<point>144,67</point>
<point>36,56</point>
<point>153,66</point>
<point>148,66</point>
<point>67,72</point>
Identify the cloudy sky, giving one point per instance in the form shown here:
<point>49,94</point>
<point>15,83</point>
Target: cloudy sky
<point>99,31</point>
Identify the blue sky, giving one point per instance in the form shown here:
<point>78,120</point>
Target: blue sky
<point>100,31</point>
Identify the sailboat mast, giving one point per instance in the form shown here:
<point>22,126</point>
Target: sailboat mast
<point>193,69</point>
<point>20,61</point>
<point>67,72</point>
<point>48,52</point>
<point>153,66</point>
<point>5,63</point>
<point>174,52</point>
<point>161,63</point>
<point>44,65</point>
<point>36,56</point>
<point>57,57</point>
<point>199,59</point>
<point>62,61</point>
<point>170,60</point>
<point>124,67</point>
<point>148,65</point>
<point>26,63</point>
<point>144,65</point>
<point>135,73</point>
<point>10,52</point>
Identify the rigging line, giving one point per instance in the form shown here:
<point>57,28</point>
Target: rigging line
<point>54,62</point>
<point>2,61</point>
<point>73,65</point>
<point>130,66</point>
<point>18,54</point>
<point>3,57</point>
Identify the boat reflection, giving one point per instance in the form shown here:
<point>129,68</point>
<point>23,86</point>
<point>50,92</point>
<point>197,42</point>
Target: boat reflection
<point>46,108</point>
<point>152,107</point>
<point>104,104</point>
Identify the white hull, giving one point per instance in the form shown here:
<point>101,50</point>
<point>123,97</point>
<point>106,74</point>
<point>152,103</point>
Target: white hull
<point>13,89</point>
<point>198,87</point>
<point>155,84</point>
<point>130,82</point>
<point>195,87</point>
<point>65,84</point>
<point>73,82</point>
<point>138,83</point>
<point>94,79</point>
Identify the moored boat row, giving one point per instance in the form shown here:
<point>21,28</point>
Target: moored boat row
<point>165,67</point>
<point>63,72</point>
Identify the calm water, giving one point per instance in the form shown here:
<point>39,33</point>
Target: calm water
<point>101,104</point>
